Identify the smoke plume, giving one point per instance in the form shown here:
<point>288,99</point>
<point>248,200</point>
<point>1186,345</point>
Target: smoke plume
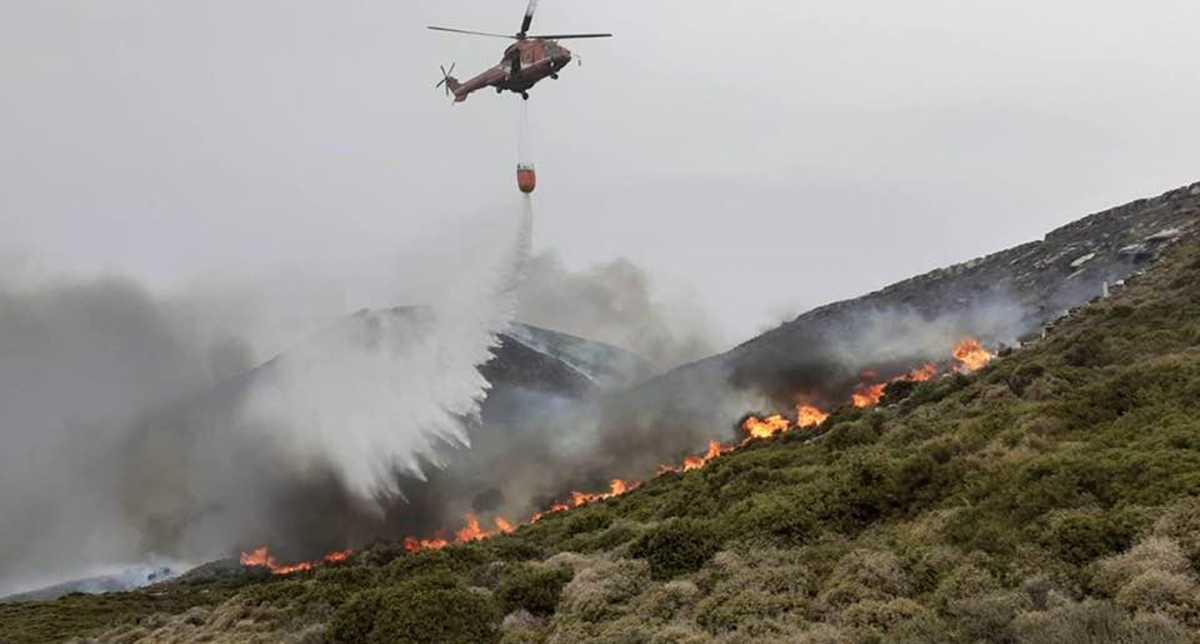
<point>616,303</point>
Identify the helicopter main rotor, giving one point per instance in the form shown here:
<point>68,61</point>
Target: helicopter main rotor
<point>526,23</point>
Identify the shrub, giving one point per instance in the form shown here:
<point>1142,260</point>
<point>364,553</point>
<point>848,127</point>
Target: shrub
<point>1092,622</point>
<point>1087,350</point>
<point>1157,591</point>
<point>851,434</point>
<point>665,602</point>
<point>615,535</point>
<point>1156,554</point>
<point>1181,522</point>
<point>433,609</point>
<point>1081,538</point>
<point>513,548</point>
<point>534,588</point>
<point>1024,376</point>
<point>588,520</point>
<point>881,614</point>
<point>964,582</point>
<point>783,516</point>
<point>676,547</point>
<point>725,612</point>
<point>601,590</point>
<point>447,561</point>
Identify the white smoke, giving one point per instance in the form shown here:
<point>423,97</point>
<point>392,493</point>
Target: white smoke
<point>379,392</point>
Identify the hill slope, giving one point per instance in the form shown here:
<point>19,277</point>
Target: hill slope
<point>999,298</point>
<point>1048,498</point>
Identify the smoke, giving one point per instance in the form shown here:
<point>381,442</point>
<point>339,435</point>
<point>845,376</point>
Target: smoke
<point>616,303</point>
<point>77,362</point>
<point>133,426</point>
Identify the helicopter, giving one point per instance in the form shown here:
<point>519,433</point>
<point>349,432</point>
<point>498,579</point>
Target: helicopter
<point>526,62</point>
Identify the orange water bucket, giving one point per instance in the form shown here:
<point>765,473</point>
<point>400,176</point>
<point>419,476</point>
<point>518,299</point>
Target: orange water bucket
<point>526,178</point>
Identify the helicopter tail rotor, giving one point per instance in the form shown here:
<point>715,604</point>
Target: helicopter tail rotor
<point>449,82</point>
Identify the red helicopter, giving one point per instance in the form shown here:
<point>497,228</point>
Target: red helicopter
<point>525,62</point>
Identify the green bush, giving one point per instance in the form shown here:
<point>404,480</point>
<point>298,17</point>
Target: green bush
<point>614,536</point>
<point>1082,538</point>
<point>852,434</point>
<point>432,609</point>
<point>676,547</point>
<point>448,561</point>
<point>786,517</point>
<point>1087,350</point>
<point>536,589</point>
<point>588,520</point>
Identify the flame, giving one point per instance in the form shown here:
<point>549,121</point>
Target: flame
<point>922,373</point>
<point>971,355</point>
<point>472,531</point>
<point>756,427</point>
<point>867,395</point>
<point>809,416</point>
<point>261,558</point>
<point>413,544</point>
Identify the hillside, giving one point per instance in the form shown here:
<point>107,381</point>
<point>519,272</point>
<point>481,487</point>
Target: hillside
<point>1047,498</point>
<point>1001,298</point>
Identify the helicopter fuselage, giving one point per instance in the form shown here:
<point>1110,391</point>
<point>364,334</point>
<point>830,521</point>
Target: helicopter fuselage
<point>524,65</point>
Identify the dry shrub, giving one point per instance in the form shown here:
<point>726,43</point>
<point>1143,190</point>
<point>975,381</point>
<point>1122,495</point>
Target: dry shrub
<point>627,628</point>
<point>680,634</point>
<point>521,627</point>
<point>663,603</point>
<point>1165,592</point>
<point>230,623</point>
<point>572,560</point>
<point>989,617</point>
<point>880,615</point>
<point>1155,554</point>
<point>927,528</point>
<point>1181,522</point>
<point>777,571</point>
<point>600,591</point>
<point>749,611</point>
<point>749,592</point>
<point>862,575</point>
<point>822,634</point>
<point>1096,622</point>
<point>964,582</point>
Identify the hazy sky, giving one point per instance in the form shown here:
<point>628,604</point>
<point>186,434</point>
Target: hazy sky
<point>772,155</point>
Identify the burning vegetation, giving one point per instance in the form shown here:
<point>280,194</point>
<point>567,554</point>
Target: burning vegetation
<point>968,355</point>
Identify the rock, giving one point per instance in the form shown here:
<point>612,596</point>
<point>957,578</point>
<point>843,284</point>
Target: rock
<point>1083,260</point>
<point>1165,234</point>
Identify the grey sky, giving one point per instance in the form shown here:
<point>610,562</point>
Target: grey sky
<point>772,155</point>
